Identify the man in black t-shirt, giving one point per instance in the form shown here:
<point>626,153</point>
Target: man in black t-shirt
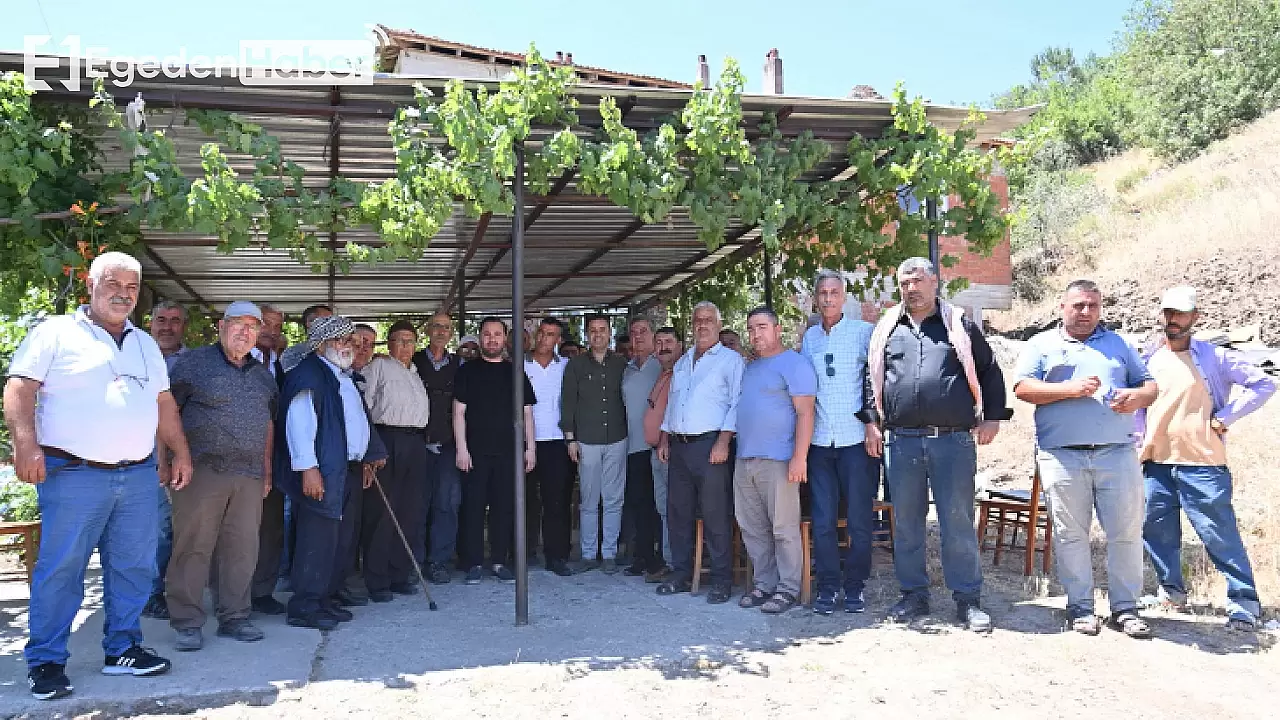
<point>482,397</point>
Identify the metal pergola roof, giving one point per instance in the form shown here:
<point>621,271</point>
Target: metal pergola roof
<point>581,251</point>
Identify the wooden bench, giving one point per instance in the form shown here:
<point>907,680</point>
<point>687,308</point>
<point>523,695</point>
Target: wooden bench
<point>28,547</point>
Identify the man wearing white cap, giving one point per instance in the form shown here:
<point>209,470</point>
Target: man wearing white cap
<point>331,453</point>
<point>227,399</point>
<point>1184,457</point>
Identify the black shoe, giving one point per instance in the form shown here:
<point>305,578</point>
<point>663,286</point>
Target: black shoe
<point>973,617</point>
<point>337,613</point>
<point>137,661</point>
<point>381,596</point>
<point>635,569</point>
<point>503,573</point>
<point>156,607</point>
<point>719,594</point>
<point>439,574</point>
<point>267,605</point>
<point>474,575</point>
<point>559,567</point>
<point>315,620</point>
<point>672,587</point>
<point>907,609</point>
<point>241,630</point>
<point>404,588</point>
<point>346,599</point>
<point>49,681</point>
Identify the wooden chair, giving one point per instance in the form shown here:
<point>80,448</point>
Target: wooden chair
<point>1014,509</point>
<point>740,561</point>
<point>29,546</point>
<point>882,538</point>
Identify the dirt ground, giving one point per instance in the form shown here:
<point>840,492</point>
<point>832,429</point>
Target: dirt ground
<point>603,647</point>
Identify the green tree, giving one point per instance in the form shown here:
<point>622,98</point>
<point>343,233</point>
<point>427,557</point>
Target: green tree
<point>1201,68</point>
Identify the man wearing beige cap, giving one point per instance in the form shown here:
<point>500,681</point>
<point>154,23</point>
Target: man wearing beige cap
<point>227,399</point>
<point>1184,456</point>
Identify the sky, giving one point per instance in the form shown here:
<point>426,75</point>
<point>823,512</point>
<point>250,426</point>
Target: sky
<point>948,51</point>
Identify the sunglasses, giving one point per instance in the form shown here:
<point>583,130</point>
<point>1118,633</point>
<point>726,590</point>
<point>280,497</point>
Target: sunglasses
<point>831,370</point>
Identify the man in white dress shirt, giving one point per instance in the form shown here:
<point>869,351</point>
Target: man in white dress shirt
<point>701,418</point>
<point>552,476</point>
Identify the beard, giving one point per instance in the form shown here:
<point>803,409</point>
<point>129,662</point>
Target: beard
<point>342,358</point>
<point>491,354</point>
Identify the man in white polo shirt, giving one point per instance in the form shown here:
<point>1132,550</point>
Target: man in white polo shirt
<point>85,397</point>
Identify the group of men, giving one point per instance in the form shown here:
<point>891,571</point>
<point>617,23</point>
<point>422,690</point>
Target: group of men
<point>359,468</point>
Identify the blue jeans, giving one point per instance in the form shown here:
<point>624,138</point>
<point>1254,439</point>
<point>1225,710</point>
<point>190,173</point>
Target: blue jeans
<point>83,508</point>
<point>1205,494</point>
<point>446,499</point>
<point>842,475</point>
<point>164,539</point>
<point>946,464</point>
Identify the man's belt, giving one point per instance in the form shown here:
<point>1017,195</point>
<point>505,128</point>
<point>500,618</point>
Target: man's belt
<point>1087,447</point>
<point>73,460</point>
<point>400,429</point>
<point>682,438</point>
<point>928,431</point>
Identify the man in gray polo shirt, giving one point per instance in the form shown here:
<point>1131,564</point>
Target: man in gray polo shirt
<point>227,400</point>
<point>637,382</point>
<point>1086,383</point>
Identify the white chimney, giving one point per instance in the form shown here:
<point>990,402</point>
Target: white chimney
<point>704,71</point>
<point>773,73</point>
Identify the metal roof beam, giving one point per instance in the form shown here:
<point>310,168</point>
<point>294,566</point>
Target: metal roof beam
<point>578,267</point>
<point>335,166</point>
<point>482,226</point>
<point>683,267</point>
<point>168,270</point>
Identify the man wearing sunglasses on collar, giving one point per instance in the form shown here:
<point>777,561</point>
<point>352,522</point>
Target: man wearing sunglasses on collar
<point>102,393</point>
<point>841,472</point>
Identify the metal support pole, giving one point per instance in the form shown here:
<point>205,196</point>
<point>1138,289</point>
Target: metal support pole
<point>768,279</point>
<point>462,304</point>
<point>931,213</point>
<point>517,384</point>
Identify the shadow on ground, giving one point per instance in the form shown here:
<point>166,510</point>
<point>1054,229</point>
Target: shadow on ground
<point>584,624</point>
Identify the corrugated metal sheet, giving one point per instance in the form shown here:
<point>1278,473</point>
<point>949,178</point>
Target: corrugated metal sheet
<point>580,252</point>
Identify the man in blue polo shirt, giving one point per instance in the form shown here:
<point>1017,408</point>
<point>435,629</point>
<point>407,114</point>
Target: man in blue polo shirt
<point>1086,383</point>
<point>775,427</point>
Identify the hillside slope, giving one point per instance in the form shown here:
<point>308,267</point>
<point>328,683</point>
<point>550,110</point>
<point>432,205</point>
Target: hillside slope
<point>1211,223</point>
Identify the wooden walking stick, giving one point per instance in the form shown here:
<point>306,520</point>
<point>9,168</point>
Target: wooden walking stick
<point>431,603</point>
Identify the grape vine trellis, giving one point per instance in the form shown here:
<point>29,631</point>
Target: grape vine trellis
<point>459,147</point>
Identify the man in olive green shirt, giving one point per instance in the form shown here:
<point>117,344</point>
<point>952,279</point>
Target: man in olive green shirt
<point>594,420</point>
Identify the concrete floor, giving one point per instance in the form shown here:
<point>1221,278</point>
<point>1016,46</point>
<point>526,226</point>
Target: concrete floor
<point>602,621</point>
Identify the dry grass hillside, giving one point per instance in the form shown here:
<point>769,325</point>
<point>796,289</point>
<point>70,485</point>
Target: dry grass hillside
<point>1210,223</point>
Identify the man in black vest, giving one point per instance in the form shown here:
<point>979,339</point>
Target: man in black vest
<point>330,453</point>
<point>438,366</point>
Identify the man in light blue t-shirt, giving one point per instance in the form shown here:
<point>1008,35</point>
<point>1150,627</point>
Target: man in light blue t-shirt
<point>775,425</point>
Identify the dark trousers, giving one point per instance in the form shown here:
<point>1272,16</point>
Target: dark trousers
<point>693,484</point>
<point>270,544</point>
<point>325,546</point>
<point>553,478</point>
<point>842,476</point>
<point>385,560</point>
<point>639,499</point>
<point>441,527</point>
<point>490,494</point>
